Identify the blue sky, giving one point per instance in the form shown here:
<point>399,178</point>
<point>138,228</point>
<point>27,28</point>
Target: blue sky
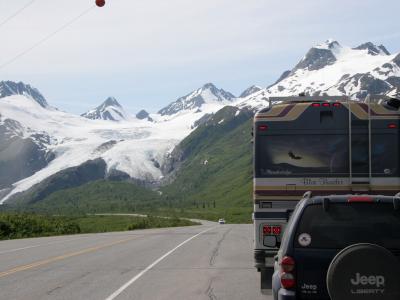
<point>148,53</point>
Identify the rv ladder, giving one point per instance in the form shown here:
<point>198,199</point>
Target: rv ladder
<point>360,184</point>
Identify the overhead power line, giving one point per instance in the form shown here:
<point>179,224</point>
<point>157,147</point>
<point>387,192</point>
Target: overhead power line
<point>37,44</point>
<point>9,18</point>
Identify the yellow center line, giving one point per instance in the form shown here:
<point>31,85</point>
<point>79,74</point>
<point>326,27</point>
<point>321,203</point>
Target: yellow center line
<point>61,257</point>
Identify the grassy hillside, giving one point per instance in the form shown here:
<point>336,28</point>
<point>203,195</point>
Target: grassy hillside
<point>69,178</point>
<point>215,178</point>
<point>97,197</point>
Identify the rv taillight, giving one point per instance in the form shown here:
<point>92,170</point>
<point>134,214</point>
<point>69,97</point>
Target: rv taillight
<point>263,127</point>
<point>267,229</point>
<point>316,104</point>
<point>287,264</point>
<point>337,104</point>
<point>326,105</point>
<point>272,230</point>
<point>360,199</point>
<point>392,126</point>
<point>276,230</point>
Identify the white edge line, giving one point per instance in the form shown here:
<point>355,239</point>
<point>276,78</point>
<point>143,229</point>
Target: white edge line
<point>126,285</point>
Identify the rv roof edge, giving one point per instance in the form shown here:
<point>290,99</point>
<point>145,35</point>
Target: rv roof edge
<point>308,98</point>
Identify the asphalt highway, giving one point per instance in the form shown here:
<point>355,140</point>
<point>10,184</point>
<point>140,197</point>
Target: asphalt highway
<point>210,261</point>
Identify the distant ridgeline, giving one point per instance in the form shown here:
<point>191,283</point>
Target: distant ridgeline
<point>193,157</point>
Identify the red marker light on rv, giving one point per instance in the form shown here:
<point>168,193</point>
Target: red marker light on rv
<point>263,127</point>
<point>326,105</point>
<point>316,104</point>
<point>337,104</point>
<point>360,199</point>
<point>392,126</point>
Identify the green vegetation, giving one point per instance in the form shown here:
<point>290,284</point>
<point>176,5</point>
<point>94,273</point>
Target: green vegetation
<point>97,197</point>
<point>69,178</point>
<point>215,180</point>
<point>106,223</point>
<point>14,225</point>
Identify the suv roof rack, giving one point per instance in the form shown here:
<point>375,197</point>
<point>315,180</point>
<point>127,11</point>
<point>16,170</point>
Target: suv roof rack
<point>325,203</point>
<point>396,201</point>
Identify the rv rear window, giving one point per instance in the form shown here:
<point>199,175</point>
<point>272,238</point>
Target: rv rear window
<point>285,155</point>
<point>324,155</point>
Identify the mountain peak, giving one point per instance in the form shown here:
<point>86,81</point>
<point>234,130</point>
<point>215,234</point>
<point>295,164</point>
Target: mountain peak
<point>373,49</point>
<point>111,101</point>
<point>251,90</point>
<point>209,85</point>
<point>10,88</point>
<point>110,109</point>
<point>329,44</point>
<point>141,115</point>
<point>319,56</point>
<point>208,93</point>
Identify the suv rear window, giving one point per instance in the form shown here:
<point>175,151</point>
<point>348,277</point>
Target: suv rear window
<point>345,224</point>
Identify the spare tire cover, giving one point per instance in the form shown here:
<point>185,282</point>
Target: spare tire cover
<point>364,271</point>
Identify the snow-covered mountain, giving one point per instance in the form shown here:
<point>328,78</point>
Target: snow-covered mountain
<point>42,141</point>
<point>373,49</point>
<point>9,88</point>
<point>110,110</point>
<point>332,69</point>
<point>142,115</point>
<point>56,140</point>
<point>207,94</point>
<point>251,90</point>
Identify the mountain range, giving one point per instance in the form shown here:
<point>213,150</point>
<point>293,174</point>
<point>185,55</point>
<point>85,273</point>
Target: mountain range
<point>44,150</point>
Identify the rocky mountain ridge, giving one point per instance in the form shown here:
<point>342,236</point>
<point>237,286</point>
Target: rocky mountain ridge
<point>143,148</point>
<point>110,110</point>
<point>9,88</point>
<point>208,93</point>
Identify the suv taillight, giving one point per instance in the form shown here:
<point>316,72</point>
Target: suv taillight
<point>287,280</point>
<point>287,264</point>
<point>287,267</point>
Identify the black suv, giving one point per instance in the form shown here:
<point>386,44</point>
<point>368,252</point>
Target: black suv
<point>340,248</point>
